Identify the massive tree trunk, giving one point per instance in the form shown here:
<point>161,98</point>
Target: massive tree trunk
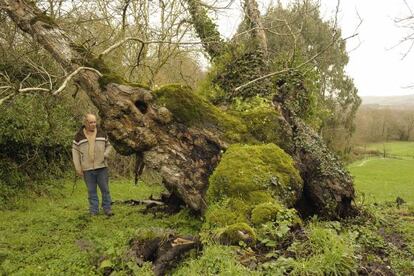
<point>328,187</point>
<point>186,154</point>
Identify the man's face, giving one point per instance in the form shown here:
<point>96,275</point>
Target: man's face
<point>90,123</point>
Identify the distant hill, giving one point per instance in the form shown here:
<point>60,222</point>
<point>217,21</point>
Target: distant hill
<point>406,101</point>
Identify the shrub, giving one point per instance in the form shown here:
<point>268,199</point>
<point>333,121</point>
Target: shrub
<point>35,137</point>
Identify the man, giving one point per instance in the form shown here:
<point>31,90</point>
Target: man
<point>89,150</point>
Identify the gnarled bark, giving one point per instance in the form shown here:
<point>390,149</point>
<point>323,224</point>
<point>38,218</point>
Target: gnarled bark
<point>163,252</point>
<point>328,187</point>
<point>185,156</point>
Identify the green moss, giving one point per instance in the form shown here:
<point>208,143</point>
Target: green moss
<point>250,186</point>
<point>265,212</point>
<point>109,78</point>
<point>87,58</point>
<point>263,124</point>
<point>139,85</point>
<point>226,212</point>
<point>235,233</point>
<point>250,168</point>
<point>193,110</point>
<point>258,197</point>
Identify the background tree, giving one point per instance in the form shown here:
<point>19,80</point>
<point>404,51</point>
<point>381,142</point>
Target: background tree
<point>334,94</point>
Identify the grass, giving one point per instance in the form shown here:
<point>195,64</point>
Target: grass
<point>384,179</point>
<point>398,148</point>
<point>56,235</point>
<point>388,241</point>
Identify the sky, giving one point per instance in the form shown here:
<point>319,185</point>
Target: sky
<point>376,60</point>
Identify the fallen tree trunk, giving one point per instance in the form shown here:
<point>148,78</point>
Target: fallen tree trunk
<point>184,155</point>
<point>184,140</point>
<point>328,187</point>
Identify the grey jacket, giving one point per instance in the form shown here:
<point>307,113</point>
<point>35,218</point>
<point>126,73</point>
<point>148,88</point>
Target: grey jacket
<point>80,151</point>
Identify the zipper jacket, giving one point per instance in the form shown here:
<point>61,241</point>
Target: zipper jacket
<point>80,147</point>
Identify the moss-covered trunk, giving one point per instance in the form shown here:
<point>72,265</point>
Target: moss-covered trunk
<point>181,135</point>
<point>184,155</point>
<point>328,187</point>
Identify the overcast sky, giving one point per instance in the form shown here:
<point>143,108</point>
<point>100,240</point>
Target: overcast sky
<point>376,65</point>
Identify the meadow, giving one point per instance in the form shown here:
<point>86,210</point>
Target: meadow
<point>400,149</point>
<point>383,179</point>
<point>54,235</point>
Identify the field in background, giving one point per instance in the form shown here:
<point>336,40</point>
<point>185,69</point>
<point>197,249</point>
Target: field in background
<point>396,148</point>
<point>384,179</point>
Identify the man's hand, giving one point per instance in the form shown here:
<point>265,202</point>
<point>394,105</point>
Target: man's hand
<point>79,173</point>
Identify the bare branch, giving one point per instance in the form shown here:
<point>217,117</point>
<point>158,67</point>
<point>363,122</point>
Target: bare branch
<point>71,75</point>
<point>124,10</point>
<point>6,87</point>
<point>118,44</point>
<point>29,89</point>
<point>25,78</point>
<point>406,23</point>
<point>409,9</point>
<point>408,86</point>
<point>295,68</point>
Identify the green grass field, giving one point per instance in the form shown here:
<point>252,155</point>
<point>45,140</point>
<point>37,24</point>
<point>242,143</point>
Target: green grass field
<point>399,148</point>
<point>56,236</point>
<point>384,179</point>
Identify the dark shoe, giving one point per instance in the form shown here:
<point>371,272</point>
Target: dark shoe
<point>108,213</point>
<point>92,214</point>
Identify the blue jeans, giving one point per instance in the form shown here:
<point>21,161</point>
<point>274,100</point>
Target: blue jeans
<point>94,178</point>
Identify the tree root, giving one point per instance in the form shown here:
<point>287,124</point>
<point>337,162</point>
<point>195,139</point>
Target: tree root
<point>163,253</point>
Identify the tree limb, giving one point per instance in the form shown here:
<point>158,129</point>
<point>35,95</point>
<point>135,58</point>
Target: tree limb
<point>71,75</point>
<point>131,117</point>
<point>253,19</point>
<point>143,42</point>
<point>295,68</point>
<point>206,29</point>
